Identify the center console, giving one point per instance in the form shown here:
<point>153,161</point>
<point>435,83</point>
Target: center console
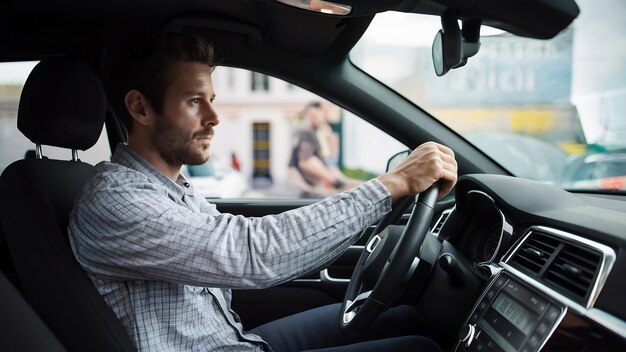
<point>510,316</point>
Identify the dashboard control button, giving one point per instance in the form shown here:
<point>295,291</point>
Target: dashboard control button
<point>490,345</point>
<point>504,328</point>
<point>500,282</point>
<point>553,314</point>
<point>542,328</point>
<point>538,304</point>
<point>488,342</point>
<point>479,347</point>
<point>490,294</point>
<point>533,341</point>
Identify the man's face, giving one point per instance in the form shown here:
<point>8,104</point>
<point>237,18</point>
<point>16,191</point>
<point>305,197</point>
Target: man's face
<point>316,116</point>
<point>182,133</point>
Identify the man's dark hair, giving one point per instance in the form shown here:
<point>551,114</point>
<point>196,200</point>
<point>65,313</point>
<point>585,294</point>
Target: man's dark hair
<point>310,105</point>
<point>142,61</point>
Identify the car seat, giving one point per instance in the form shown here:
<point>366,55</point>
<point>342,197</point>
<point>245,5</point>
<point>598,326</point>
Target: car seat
<point>20,327</point>
<point>63,105</point>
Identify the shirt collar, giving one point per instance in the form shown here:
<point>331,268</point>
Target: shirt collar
<point>126,156</point>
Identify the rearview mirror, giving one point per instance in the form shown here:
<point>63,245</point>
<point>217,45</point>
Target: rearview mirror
<point>452,47</point>
<point>396,159</point>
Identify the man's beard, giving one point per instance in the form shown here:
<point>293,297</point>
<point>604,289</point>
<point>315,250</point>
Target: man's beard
<point>176,147</point>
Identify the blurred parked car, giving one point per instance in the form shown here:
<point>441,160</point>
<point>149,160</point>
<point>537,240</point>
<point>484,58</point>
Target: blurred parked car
<point>605,171</point>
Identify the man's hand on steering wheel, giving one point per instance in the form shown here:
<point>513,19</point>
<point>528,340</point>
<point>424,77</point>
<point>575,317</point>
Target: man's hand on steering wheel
<point>428,163</point>
<point>389,260</point>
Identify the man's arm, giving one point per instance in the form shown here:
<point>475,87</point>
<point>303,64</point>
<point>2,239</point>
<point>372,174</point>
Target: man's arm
<point>139,233</point>
<point>135,231</point>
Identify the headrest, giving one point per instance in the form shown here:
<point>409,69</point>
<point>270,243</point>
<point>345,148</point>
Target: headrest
<point>62,104</point>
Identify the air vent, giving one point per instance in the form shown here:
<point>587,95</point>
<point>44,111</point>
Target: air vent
<point>534,253</point>
<point>441,221</point>
<point>571,265</point>
<point>574,271</point>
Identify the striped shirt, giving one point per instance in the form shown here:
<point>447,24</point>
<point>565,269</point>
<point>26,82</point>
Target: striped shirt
<point>164,259</point>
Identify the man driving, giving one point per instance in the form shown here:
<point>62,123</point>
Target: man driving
<point>164,259</point>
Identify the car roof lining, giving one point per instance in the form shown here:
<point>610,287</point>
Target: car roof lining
<point>45,27</point>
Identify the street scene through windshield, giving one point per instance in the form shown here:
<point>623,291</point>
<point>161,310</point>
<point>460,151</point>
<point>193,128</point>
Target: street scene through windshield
<point>548,110</point>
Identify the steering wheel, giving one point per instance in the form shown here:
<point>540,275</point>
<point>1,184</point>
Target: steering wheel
<point>387,263</point>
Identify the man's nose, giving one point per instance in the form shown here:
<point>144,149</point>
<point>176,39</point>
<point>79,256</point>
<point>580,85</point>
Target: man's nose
<point>210,116</point>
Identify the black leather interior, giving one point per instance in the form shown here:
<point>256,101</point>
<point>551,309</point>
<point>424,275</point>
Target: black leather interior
<point>6,260</point>
<point>20,327</point>
<point>37,197</point>
<point>62,104</point>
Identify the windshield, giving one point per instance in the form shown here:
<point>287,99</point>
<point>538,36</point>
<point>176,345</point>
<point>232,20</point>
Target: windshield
<point>549,110</point>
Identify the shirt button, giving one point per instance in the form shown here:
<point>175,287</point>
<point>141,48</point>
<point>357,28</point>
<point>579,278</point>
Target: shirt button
<point>368,204</point>
<point>186,184</point>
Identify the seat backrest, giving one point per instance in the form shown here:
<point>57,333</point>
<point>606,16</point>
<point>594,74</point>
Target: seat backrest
<point>63,105</point>
<point>20,327</point>
<point>6,260</point>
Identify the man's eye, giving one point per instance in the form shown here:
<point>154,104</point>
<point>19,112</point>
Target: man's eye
<point>195,100</point>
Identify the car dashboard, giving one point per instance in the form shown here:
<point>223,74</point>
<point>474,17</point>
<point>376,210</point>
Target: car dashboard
<point>550,260</point>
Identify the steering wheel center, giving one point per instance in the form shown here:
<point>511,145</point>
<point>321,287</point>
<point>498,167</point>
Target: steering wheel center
<point>381,246</point>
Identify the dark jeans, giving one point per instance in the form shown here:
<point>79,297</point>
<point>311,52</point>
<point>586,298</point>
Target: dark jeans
<point>318,329</point>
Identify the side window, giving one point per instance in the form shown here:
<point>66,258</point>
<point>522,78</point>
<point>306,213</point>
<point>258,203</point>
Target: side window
<point>13,144</point>
<point>285,142</point>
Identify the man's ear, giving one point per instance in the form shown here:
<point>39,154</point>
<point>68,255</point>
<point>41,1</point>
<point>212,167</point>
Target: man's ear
<point>138,107</point>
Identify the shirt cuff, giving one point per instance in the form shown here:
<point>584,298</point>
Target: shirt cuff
<point>377,195</point>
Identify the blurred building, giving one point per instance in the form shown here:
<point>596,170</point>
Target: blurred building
<point>258,116</point>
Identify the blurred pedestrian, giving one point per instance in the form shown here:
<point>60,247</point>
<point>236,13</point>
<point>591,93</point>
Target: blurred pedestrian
<point>313,166</point>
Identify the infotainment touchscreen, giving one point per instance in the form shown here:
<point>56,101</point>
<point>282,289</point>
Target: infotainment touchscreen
<point>510,316</point>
